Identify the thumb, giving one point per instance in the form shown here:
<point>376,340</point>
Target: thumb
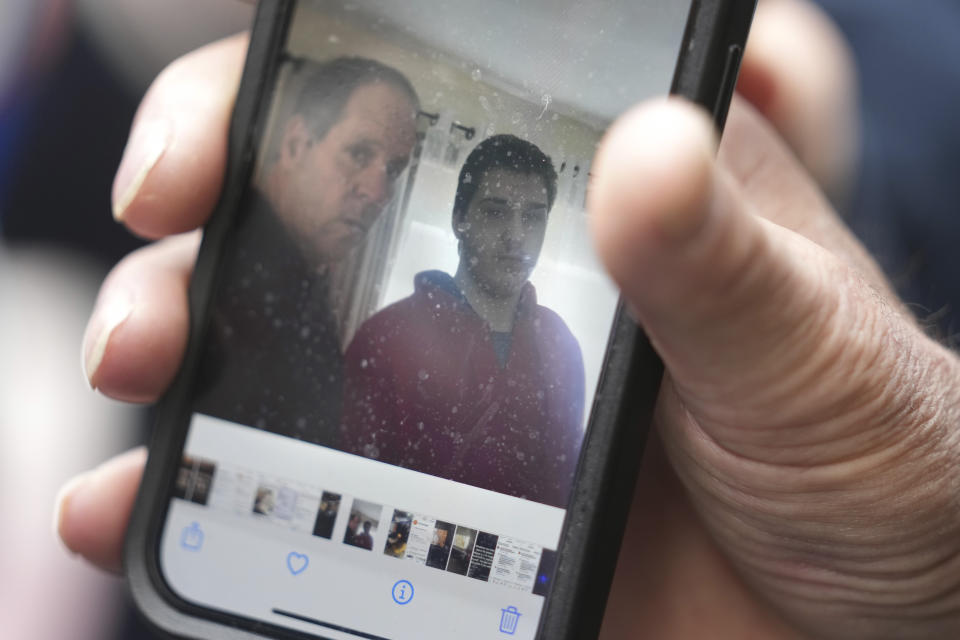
<point>811,422</point>
<point>740,309</point>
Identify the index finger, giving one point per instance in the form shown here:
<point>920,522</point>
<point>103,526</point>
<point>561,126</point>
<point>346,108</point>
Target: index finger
<point>173,166</point>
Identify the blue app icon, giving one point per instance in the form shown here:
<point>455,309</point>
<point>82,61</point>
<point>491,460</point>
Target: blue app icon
<point>509,619</point>
<point>191,538</point>
<point>402,591</point>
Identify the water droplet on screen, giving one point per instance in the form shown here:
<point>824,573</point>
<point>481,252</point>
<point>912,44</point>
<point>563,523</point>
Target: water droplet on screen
<point>476,75</point>
<point>364,363</point>
<point>422,374</point>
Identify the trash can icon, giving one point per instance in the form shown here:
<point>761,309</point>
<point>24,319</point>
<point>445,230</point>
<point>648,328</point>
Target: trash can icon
<point>509,618</point>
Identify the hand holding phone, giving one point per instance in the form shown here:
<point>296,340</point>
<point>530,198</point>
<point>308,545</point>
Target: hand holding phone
<point>453,415</point>
<point>641,169</point>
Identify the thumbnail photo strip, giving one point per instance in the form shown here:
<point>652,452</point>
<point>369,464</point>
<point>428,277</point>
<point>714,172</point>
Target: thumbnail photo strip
<point>418,538</point>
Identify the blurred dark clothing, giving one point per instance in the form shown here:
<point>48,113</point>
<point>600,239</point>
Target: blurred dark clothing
<point>272,357</point>
<point>907,206</point>
<point>66,134</point>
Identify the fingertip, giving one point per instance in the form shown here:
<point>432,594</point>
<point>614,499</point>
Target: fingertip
<point>147,144</point>
<point>173,166</point>
<point>62,529</point>
<point>110,314</point>
<point>653,181</point>
<point>140,357</point>
<point>138,330</point>
<point>674,231</point>
<point>92,509</point>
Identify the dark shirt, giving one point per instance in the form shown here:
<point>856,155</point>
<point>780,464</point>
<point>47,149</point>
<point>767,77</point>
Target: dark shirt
<point>272,358</point>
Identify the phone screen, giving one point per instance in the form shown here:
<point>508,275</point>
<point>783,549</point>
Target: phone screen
<point>410,321</point>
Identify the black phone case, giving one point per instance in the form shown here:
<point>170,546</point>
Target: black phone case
<point>706,72</point>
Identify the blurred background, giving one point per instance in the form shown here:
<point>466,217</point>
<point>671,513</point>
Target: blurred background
<point>71,74</point>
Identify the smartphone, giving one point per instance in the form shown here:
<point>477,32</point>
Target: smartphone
<point>412,405</point>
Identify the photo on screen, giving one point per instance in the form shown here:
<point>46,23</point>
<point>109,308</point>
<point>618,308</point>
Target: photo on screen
<point>399,534</point>
<point>277,502</point>
<point>194,480</point>
<point>451,316</point>
<point>265,501</point>
<point>362,525</point>
<point>461,551</point>
<point>449,251</point>
<point>515,563</point>
<point>326,515</point>
<point>440,544</point>
<point>482,558</point>
<point>420,539</point>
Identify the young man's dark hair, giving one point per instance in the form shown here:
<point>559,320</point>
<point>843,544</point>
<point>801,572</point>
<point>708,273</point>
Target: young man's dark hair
<point>503,151</point>
<point>327,87</point>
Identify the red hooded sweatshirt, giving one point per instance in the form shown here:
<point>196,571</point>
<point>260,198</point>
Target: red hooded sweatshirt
<point>424,389</point>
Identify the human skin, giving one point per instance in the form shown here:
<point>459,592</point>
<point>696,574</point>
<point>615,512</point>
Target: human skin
<point>501,234</point>
<point>804,476</point>
<point>329,191</point>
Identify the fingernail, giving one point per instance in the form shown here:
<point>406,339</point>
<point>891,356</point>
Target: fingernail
<point>147,144</point>
<point>107,317</point>
<point>62,503</point>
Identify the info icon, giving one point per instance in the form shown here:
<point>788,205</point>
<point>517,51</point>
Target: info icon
<point>402,591</point>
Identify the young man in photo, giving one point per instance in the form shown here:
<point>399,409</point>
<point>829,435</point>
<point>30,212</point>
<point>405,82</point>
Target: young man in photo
<point>469,378</point>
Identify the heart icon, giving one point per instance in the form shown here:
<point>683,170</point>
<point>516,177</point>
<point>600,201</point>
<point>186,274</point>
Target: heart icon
<point>297,562</point>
